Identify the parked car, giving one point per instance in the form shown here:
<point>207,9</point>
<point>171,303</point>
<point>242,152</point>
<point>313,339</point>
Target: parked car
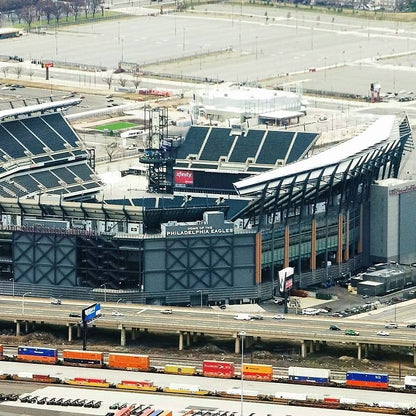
<point>117,313</point>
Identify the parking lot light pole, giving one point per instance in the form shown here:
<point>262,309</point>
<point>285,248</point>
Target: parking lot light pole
<point>242,334</point>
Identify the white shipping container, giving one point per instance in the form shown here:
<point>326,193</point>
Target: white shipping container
<point>24,375</point>
<point>237,392</point>
<point>410,381</point>
<point>347,400</point>
<point>184,387</point>
<point>291,396</point>
<point>391,405</point>
<point>309,372</point>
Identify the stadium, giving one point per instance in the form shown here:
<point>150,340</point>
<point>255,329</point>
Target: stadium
<point>225,210</point>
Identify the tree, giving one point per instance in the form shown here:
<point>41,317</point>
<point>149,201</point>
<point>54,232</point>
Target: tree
<point>18,70</point>
<point>108,80</point>
<point>111,149</point>
<point>29,14</point>
<point>77,6</point>
<point>47,8</point>
<point>122,81</point>
<point>66,9</point>
<point>136,80</point>
<point>5,70</point>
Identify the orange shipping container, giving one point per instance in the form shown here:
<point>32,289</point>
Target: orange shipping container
<point>257,372</point>
<point>83,358</point>
<point>129,362</point>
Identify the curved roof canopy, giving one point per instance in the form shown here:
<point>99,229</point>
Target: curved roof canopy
<point>347,169</point>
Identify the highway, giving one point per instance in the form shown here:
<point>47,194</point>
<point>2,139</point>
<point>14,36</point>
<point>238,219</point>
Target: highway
<point>215,322</point>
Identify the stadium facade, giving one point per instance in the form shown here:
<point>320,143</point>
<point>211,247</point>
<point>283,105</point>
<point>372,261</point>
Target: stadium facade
<point>244,206</point>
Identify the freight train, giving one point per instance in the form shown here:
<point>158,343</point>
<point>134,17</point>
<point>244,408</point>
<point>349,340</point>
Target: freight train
<point>210,368</point>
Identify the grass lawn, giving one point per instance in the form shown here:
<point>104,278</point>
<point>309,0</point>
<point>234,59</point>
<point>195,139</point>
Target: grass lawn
<point>120,125</point>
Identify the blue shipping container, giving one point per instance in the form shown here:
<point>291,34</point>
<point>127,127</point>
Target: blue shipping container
<point>372,377</point>
<point>37,351</point>
<point>310,379</point>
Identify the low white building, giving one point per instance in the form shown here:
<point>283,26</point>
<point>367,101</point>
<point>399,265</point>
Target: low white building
<point>221,102</point>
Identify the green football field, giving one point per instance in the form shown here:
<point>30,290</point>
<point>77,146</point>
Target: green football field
<point>120,125</point>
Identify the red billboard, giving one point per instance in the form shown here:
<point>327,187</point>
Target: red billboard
<point>184,177</point>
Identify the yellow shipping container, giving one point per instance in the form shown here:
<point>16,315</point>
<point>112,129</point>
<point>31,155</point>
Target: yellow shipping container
<point>177,369</point>
<point>257,368</point>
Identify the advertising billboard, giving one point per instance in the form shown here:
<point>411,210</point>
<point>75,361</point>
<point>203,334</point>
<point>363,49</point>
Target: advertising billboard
<point>286,279</point>
<point>184,177</point>
<point>91,313</point>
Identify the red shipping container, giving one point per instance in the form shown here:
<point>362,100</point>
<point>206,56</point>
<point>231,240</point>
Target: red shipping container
<point>138,383</point>
<point>218,369</point>
<point>331,400</point>
<point>1,351</point>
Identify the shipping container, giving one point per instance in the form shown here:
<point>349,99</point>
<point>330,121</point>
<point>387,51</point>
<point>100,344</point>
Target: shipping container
<point>95,382</point>
<point>166,413</point>
<point>218,369</point>
<point>347,400</point>
<point>137,385</point>
<point>312,375</point>
<point>1,352</point>
<point>291,396</point>
<point>129,362</point>
<point>37,355</point>
<point>156,413</point>
<point>410,383</point>
<point>82,358</point>
<point>147,412</point>
<point>257,372</point>
<point>367,379</point>
<point>175,369</point>
<point>236,392</point>
<point>331,400</point>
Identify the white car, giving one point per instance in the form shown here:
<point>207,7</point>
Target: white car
<point>383,333</point>
<point>117,313</point>
<point>279,316</point>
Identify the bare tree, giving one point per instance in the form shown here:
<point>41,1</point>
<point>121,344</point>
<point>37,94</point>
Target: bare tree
<point>108,81</point>
<point>59,10</point>
<point>77,6</point>
<point>66,9</point>
<point>47,8</point>
<point>111,148</point>
<point>29,14</point>
<point>122,81</point>
<point>5,70</point>
<point>31,73</point>
<point>18,70</point>
<point>136,80</point>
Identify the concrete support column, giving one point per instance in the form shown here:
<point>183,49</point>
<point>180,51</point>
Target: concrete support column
<point>78,331</point>
<point>69,333</point>
<point>133,334</point>
<point>18,329</point>
<point>303,349</point>
<point>310,343</point>
<point>237,345</point>
<point>366,348</point>
<point>180,341</point>
<point>188,338</point>
<point>195,337</point>
<point>26,327</point>
<point>123,336</point>
<point>414,356</point>
<point>358,351</point>
<point>317,345</point>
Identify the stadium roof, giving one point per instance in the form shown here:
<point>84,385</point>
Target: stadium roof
<point>347,169</point>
